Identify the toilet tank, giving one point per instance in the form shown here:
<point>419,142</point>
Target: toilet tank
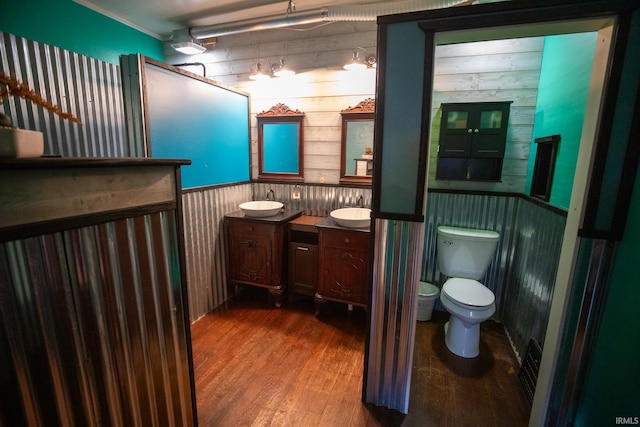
<point>465,252</point>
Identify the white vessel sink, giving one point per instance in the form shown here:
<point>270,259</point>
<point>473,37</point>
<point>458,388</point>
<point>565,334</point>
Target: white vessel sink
<point>352,217</point>
<point>261,208</point>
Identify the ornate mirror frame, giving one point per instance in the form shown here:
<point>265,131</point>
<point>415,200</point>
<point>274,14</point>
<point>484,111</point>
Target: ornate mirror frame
<point>363,112</point>
<point>280,114</point>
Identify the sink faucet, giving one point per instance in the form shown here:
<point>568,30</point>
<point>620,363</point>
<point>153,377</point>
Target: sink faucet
<point>270,195</point>
<point>360,201</point>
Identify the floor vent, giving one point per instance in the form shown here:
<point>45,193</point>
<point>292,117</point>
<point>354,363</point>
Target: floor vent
<point>528,374</point>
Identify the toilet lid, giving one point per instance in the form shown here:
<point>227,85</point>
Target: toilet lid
<point>469,292</point>
<point>427,289</point>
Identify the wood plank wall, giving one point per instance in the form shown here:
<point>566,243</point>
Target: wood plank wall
<point>501,70</point>
<point>482,71</point>
<point>320,89</point>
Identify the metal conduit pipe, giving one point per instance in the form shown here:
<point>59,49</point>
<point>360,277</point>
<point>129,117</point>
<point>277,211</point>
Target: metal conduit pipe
<point>257,24</point>
<point>366,12</point>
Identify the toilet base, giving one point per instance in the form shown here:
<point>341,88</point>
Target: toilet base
<point>462,340</point>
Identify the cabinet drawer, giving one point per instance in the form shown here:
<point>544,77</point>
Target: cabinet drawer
<point>345,239</point>
<point>250,227</point>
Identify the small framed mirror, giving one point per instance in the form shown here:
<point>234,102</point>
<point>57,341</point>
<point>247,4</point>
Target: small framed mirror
<point>280,144</point>
<point>356,162</point>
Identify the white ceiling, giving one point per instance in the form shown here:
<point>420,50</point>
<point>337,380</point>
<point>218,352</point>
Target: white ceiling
<point>160,17</point>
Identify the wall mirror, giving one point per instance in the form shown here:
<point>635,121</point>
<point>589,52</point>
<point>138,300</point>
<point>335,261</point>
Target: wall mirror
<point>280,144</point>
<point>356,163</point>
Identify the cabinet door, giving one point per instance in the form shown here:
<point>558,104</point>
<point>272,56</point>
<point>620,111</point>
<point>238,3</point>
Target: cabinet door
<point>251,250</point>
<point>455,131</point>
<point>250,258</point>
<point>345,275</point>
<point>489,129</point>
<point>303,268</point>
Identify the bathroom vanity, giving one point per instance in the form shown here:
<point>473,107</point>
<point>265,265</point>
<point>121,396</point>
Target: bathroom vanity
<point>344,264</point>
<point>258,250</point>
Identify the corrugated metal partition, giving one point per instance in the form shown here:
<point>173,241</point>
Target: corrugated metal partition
<point>394,297</point>
<point>488,212</point>
<point>82,329</point>
<point>85,87</point>
<point>205,244</point>
<point>533,264</point>
<point>313,200</point>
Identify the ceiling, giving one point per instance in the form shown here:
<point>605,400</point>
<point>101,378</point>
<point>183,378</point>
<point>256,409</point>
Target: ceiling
<point>160,17</point>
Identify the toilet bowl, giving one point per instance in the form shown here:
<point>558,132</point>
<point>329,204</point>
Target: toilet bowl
<point>469,303</point>
<point>464,257</point>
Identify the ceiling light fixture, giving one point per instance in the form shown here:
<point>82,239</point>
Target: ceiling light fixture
<point>189,48</point>
<point>283,70</point>
<point>183,42</point>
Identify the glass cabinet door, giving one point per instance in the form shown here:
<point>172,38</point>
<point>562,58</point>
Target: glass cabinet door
<point>457,119</point>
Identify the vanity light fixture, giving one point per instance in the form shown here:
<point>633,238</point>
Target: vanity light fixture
<point>370,61</point>
<point>283,70</point>
<point>260,75</point>
<point>355,63</point>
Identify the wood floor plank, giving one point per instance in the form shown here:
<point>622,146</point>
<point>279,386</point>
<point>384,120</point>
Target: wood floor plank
<point>256,365</point>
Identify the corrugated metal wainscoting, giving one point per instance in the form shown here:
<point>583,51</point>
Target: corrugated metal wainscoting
<point>85,87</point>
<point>394,296</point>
<point>205,243</point>
<point>82,329</point>
<point>533,264</point>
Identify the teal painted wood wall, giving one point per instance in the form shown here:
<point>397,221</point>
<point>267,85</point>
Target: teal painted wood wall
<point>71,26</point>
<point>562,97</point>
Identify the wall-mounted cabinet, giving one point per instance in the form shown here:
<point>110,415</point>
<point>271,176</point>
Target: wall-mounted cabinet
<point>472,140</point>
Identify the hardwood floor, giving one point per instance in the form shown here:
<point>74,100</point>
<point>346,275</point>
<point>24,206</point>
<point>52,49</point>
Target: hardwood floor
<point>260,366</point>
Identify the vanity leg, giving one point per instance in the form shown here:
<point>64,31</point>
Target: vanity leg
<point>277,295</point>
<point>319,301</point>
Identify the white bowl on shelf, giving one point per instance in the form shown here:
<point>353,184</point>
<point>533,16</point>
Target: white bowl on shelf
<point>261,208</point>
<point>352,217</point>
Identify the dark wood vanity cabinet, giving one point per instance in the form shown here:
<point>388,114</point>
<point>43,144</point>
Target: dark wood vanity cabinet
<point>258,251</point>
<point>303,256</point>
<point>344,266</point>
<point>472,140</point>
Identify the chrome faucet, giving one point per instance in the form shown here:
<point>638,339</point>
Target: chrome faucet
<point>360,201</point>
<point>271,195</point>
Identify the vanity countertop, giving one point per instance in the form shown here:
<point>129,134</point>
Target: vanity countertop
<point>285,216</point>
<point>305,223</point>
<point>328,222</point>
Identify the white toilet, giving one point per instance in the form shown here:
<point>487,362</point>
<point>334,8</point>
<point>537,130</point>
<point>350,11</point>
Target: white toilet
<point>464,256</point>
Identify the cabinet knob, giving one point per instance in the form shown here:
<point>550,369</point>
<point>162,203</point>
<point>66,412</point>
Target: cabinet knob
<point>469,130</point>
<point>346,240</point>
<point>476,130</point>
